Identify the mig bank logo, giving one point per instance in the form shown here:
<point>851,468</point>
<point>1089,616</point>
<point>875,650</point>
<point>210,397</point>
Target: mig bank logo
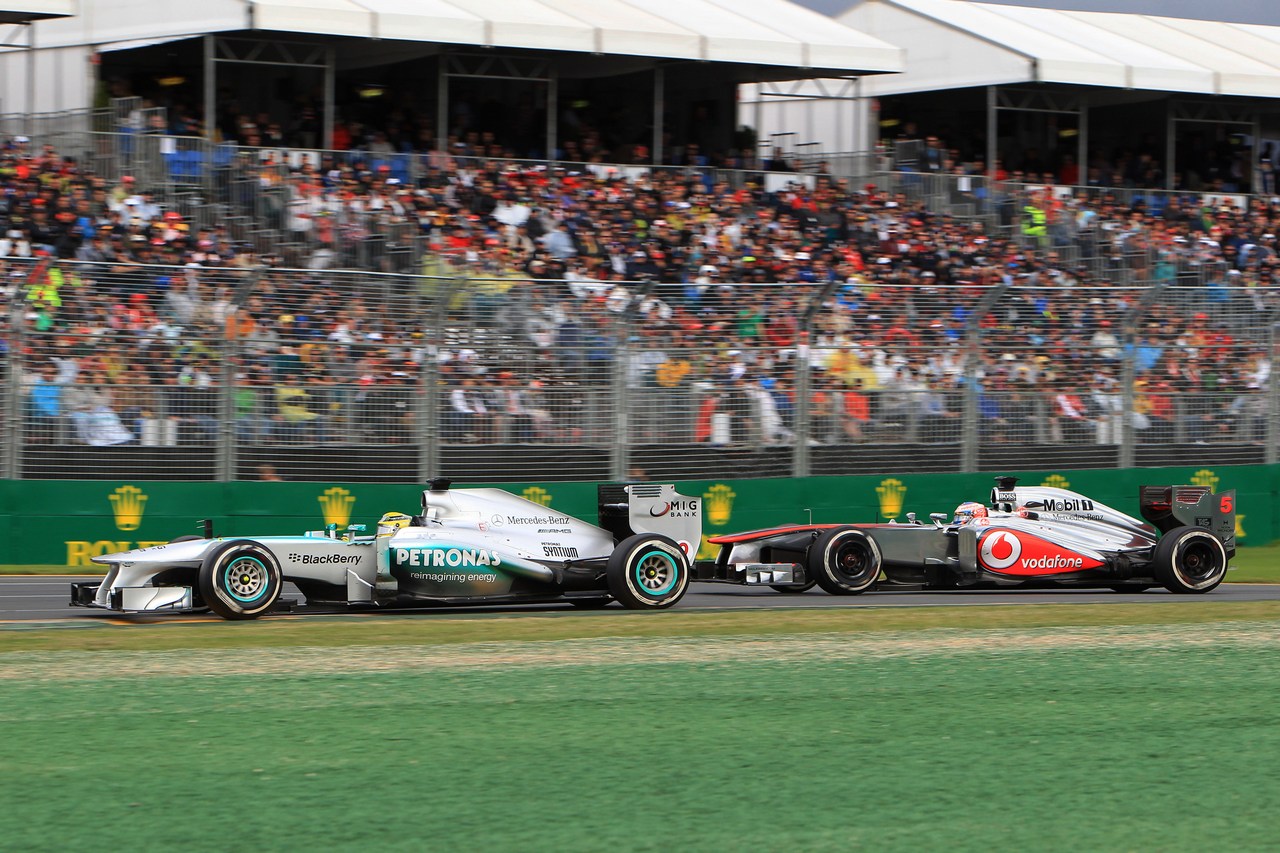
<point>1205,477</point>
<point>336,504</point>
<point>718,501</point>
<point>1056,481</point>
<point>891,493</point>
<point>538,495</point>
<point>127,504</point>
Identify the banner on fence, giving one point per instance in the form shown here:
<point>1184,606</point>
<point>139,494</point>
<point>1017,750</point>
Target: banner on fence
<point>67,523</point>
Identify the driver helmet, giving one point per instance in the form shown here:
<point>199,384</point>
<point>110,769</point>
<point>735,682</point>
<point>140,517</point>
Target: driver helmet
<point>392,522</point>
<point>968,511</point>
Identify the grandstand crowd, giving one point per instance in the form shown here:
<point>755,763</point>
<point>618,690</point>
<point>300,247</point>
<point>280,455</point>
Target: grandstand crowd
<point>117,349</point>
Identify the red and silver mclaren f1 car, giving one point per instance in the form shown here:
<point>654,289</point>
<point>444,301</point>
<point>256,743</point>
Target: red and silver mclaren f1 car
<point>1026,536</point>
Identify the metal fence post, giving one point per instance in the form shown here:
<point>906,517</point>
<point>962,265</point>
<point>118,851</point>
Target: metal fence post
<point>804,371</point>
<point>1129,371</point>
<point>227,449</point>
<point>970,426</point>
<point>620,463</point>
<point>1271,453</point>
<point>11,463</point>
<point>226,471</point>
<point>430,433</point>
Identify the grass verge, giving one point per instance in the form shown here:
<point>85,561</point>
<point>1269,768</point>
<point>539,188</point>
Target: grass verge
<point>1024,739</point>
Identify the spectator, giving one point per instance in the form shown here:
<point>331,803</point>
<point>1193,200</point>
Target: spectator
<point>468,415</point>
<point>90,406</point>
<point>44,400</point>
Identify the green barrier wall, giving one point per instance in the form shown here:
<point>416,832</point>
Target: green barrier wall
<point>66,522</point>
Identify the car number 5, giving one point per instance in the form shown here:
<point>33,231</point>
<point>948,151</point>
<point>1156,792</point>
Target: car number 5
<point>1225,504</point>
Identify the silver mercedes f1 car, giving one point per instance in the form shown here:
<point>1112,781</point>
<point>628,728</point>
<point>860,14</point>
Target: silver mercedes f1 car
<point>1026,536</point>
<point>467,546</point>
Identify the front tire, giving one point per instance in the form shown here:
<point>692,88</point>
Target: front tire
<point>1189,560</point>
<point>240,580</point>
<point>647,572</point>
<point>844,561</point>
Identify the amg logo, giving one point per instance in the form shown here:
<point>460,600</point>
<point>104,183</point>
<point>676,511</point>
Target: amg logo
<point>1068,505</point>
<point>555,530</point>
<point>323,559</point>
<point>559,551</point>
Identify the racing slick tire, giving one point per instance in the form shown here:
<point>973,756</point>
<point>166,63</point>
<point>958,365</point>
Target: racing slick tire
<point>1189,560</point>
<point>794,590</point>
<point>844,561</point>
<point>647,572</point>
<point>240,580</point>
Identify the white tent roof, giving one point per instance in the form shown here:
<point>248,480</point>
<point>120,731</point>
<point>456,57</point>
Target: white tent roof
<point>751,32</point>
<point>21,11</point>
<point>952,43</point>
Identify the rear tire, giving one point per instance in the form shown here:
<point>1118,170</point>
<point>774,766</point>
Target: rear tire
<point>844,561</point>
<point>648,572</point>
<point>240,580</point>
<point>1190,561</point>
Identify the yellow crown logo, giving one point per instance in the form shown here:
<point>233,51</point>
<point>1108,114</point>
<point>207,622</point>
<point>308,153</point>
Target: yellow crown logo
<point>1056,481</point>
<point>719,503</point>
<point>538,495</point>
<point>1205,477</point>
<point>336,505</point>
<point>127,503</point>
<point>892,493</point>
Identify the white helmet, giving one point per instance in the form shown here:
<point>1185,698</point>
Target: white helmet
<point>968,511</point>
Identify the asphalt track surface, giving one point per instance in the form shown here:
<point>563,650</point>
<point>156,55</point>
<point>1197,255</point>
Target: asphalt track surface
<point>44,599</point>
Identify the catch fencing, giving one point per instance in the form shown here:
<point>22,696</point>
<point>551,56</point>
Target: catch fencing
<point>194,373</point>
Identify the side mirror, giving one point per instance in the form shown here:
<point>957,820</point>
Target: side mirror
<point>939,519</point>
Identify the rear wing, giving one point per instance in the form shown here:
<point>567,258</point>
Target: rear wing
<point>1167,507</point>
<point>644,508</point>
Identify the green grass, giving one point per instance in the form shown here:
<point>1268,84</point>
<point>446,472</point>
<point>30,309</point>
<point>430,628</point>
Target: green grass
<point>1035,740</point>
<point>1256,565</point>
